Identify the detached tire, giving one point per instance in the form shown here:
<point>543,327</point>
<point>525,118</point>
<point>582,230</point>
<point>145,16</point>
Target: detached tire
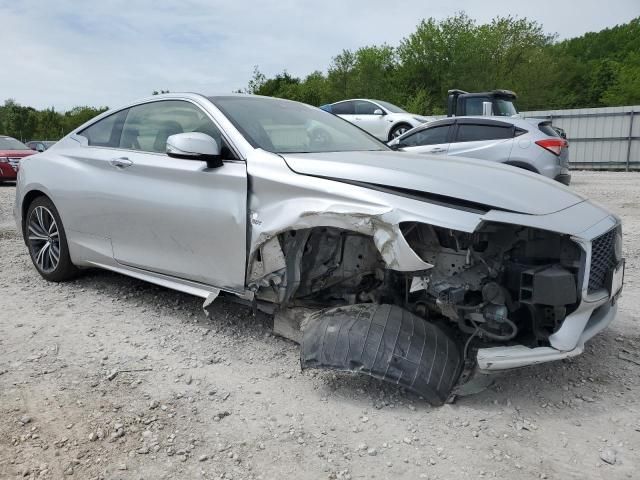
<point>47,242</point>
<point>385,342</point>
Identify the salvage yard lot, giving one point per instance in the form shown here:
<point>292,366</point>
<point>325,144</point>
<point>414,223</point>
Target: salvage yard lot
<point>109,377</point>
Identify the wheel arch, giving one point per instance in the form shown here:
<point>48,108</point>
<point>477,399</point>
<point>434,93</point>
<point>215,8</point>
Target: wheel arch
<point>27,200</point>
<point>523,165</point>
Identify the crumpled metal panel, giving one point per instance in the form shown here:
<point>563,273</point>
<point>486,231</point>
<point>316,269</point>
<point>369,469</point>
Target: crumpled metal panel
<point>281,200</point>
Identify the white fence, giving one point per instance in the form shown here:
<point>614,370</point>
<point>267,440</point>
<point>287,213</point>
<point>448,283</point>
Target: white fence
<point>599,138</point>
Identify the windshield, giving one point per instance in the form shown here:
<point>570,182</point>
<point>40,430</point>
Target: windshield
<point>283,126</point>
<point>8,143</point>
<point>504,107</point>
<point>390,106</point>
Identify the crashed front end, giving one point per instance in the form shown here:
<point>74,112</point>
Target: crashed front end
<point>522,295</point>
<point>506,289</point>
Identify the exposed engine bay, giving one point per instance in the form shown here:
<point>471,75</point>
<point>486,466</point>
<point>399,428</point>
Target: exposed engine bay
<point>500,284</point>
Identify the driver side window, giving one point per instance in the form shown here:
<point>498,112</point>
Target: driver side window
<point>365,108</point>
<point>427,136</point>
<point>147,127</point>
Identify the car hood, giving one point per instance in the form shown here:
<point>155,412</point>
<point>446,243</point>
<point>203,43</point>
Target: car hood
<point>475,181</point>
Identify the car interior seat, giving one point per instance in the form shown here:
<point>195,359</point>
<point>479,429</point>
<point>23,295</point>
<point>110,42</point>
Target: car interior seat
<point>168,128</point>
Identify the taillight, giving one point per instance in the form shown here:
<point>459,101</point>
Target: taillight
<point>554,145</point>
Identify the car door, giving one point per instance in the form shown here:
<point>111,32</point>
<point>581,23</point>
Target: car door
<point>432,140</point>
<point>167,215</point>
<point>482,139</point>
<point>366,119</point>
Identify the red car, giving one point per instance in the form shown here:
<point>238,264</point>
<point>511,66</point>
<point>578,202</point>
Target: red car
<point>11,152</point>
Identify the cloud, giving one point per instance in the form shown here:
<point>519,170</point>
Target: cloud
<point>66,53</point>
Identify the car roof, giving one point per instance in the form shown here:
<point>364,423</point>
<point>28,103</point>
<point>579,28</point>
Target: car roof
<point>479,120</point>
<point>494,120</point>
<point>353,99</point>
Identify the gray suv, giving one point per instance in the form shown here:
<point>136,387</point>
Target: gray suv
<point>532,144</point>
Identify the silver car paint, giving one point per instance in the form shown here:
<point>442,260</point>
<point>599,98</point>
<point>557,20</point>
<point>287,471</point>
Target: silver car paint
<point>280,199</point>
<point>453,177</point>
<point>520,150</point>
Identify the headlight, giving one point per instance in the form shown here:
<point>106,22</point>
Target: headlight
<point>617,246</point>
<point>4,160</point>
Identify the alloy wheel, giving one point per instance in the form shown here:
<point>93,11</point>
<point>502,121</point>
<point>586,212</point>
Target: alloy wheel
<point>44,239</point>
<point>399,131</point>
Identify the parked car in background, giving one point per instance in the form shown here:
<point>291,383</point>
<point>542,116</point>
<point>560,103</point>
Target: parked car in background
<point>39,145</point>
<point>11,152</point>
<point>381,119</point>
<point>415,267</point>
<point>532,144</point>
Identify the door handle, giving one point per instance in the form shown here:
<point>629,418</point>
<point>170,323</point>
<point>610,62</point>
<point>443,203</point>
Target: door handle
<point>437,150</point>
<point>121,162</point>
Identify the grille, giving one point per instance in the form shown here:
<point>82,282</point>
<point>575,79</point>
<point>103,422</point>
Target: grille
<point>602,259</point>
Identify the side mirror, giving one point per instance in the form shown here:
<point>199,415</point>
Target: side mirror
<point>378,111</point>
<point>40,148</point>
<point>195,146</point>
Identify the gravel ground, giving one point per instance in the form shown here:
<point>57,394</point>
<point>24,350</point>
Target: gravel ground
<point>108,377</point>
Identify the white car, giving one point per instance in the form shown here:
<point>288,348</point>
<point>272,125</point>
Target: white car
<point>381,119</point>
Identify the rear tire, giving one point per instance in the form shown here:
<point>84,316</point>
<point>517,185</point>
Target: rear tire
<point>47,241</point>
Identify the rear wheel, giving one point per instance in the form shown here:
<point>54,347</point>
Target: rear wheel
<point>47,241</point>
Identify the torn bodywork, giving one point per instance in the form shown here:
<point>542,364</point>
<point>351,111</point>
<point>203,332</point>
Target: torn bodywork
<point>508,288</point>
<point>501,285</point>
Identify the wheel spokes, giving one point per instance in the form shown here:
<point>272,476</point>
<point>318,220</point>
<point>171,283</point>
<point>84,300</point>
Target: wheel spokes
<point>44,239</point>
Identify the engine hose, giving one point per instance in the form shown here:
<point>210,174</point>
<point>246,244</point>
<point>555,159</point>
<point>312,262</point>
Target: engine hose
<point>493,336</point>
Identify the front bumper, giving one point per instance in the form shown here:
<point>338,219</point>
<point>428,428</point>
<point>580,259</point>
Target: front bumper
<point>505,358</point>
<point>595,312</point>
<point>7,172</point>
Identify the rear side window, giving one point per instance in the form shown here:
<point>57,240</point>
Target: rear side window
<point>471,133</point>
<point>106,132</point>
<point>343,108</point>
<point>427,136</point>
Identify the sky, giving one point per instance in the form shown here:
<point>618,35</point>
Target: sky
<point>65,53</point>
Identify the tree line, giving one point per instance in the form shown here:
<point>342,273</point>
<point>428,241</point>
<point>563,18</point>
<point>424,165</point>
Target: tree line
<point>594,70</point>
<point>27,123</point>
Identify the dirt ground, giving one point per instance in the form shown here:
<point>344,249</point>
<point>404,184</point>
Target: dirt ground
<point>108,377</point>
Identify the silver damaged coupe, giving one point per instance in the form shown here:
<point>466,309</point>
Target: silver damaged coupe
<point>419,270</point>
